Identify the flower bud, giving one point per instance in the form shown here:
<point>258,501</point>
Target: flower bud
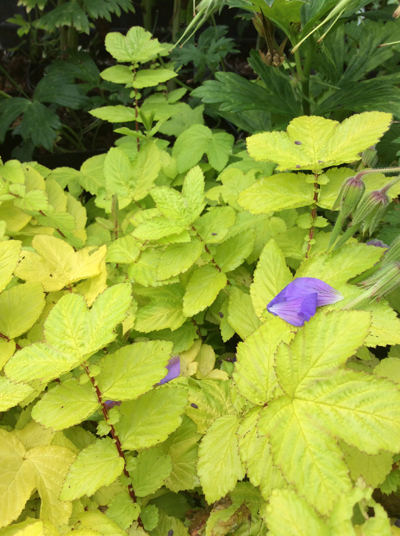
<point>369,157</point>
<point>383,281</point>
<point>349,196</point>
<point>370,210</point>
<point>393,253</point>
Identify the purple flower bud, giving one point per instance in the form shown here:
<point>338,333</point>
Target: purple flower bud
<point>174,369</point>
<point>111,403</point>
<point>350,193</point>
<point>370,210</point>
<point>298,301</point>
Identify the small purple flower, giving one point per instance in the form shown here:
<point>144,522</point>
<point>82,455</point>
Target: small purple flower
<point>174,369</point>
<point>298,301</point>
<point>377,243</point>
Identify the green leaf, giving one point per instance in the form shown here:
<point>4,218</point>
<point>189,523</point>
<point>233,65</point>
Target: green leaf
<point>150,517</point>
<point>35,200</point>
<point>20,307</point>
<point>119,74</point>
<point>178,258</point>
<point>151,418</point>
<point>166,524</point>
<point>241,314</point>
<point>97,465</point>
<point>341,265</point>
<point>10,109</point>
<point>291,515</point>
<point>122,510</point>
<point>322,142</point>
<point>270,277</point>
<point>115,114</point>
<point>152,77</point>
<point>117,170</point>
<point>164,311</point>
<point>133,370</point>
<point>123,250</point>
<point>255,453</point>
<point>193,192</point>
<point>219,149</point>
<point>156,228</point>
<point>72,333</point>
<point>9,254</point>
<point>190,146</point>
<point>219,464</point>
<point>279,192</point>
<point>65,405</point>
<point>136,47</point>
<point>213,226</point>
<point>56,264</point>
<point>12,393</point>
<point>39,124</point>
<point>68,14</point>
<point>182,447</point>
<point>149,470</point>
<point>235,250</point>
<point>96,521</point>
<point>203,287</point>
<point>234,181</point>
<point>254,374</point>
<point>323,345</point>
<point>349,404</point>
<point>373,468</point>
<point>212,400</point>
<point>145,169</point>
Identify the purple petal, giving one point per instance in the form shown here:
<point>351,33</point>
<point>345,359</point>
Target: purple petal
<point>377,243</point>
<point>297,302</point>
<point>174,369</point>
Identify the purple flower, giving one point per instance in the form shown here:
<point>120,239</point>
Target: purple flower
<point>377,243</point>
<point>174,369</point>
<point>298,301</point>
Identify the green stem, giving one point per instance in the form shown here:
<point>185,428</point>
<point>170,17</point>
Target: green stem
<point>14,83</point>
<point>5,95</point>
<point>77,143</point>
<point>176,20</point>
<point>147,7</point>
<point>305,84</point>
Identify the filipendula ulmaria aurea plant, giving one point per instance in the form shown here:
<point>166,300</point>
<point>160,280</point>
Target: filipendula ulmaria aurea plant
<point>79,349</point>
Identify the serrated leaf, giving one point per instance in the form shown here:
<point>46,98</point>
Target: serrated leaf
<point>150,517</point>
<point>71,332</point>
<point>279,192</point>
<point>136,47</point>
<point>162,314</point>
<point>341,265</point>
<point>314,143</point>
<point>150,470</point>
<point>152,77</point>
<point>156,228</point>
<point>345,404</point>
<point>20,307</point>
<point>151,418</point>
<point>190,146</point>
<point>167,524</point>
<point>145,170</point>
<point>211,400</point>
<point>122,510</point>
<point>324,344</point>
<point>99,522</point>
<point>254,374</point>
<point>12,393</point>
<point>65,405</point>
<point>133,370</point>
<point>172,205</point>
<point>373,468</point>
<point>123,250</point>
<point>255,453</point>
<point>241,314</point>
<point>203,287</point>
<point>234,181</point>
<point>118,74</point>
<point>178,258</point>
<point>97,465</point>
<point>214,226</point>
<point>9,254</point>
<point>232,253</point>
<point>115,114</point>
<point>56,264</point>
<point>291,515</point>
<point>270,277</point>
<point>182,447</point>
<point>219,466</point>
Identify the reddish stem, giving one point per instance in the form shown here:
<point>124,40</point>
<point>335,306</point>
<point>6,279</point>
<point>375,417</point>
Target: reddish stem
<point>313,215</point>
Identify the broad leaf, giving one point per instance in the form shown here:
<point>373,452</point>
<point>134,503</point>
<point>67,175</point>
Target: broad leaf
<point>314,143</point>
<point>97,465</point>
<point>219,464</point>
<point>20,307</point>
<point>151,418</point>
<point>213,226</point>
<point>203,287</point>
<point>12,393</point>
<point>9,254</point>
<point>149,471</point>
<point>65,405</point>
<point>241,314</point>
<point>133,370</point>
<point>178,258</point>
